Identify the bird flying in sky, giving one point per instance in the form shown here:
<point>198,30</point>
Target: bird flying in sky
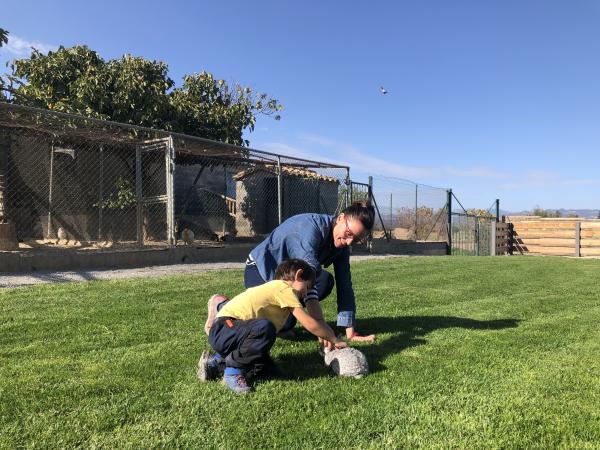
<point>383,90</point>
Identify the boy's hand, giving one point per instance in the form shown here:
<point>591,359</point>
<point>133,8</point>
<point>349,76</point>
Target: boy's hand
<point>340,344</point>
<point>326,344</point>
<point>337,344</point>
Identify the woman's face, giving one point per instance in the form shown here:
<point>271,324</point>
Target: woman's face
<point>347,231</point>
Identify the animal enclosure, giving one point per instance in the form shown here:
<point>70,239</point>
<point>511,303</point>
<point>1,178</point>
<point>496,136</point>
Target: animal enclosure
<point>68,181</point>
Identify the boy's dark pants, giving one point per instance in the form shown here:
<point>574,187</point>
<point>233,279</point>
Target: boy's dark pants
<point>242,343</point>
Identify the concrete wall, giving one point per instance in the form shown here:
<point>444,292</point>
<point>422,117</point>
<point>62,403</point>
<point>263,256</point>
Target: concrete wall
<point>80,260</point>
<point>63,259</point>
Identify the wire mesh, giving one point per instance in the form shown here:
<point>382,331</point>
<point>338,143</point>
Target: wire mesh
<point>71,182</point>
<point>410,211</point>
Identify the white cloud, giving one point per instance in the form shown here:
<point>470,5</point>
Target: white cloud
<point>546,179</point>
<point>356,159</point>
<point>295,152</point>
<point>20,48</point>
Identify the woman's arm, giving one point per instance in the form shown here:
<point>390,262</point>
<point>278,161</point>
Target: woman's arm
<point>346,299</point>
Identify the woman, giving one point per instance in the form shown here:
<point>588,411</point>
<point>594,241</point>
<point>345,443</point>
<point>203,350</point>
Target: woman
<point>320,240</point>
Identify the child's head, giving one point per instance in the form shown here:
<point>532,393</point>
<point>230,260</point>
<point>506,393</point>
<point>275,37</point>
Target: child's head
<point>297,273</point>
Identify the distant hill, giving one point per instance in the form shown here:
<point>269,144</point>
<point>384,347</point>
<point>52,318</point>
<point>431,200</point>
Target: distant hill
<point>583,213</point>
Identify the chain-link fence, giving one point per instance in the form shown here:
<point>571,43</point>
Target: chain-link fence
<point>73,182</point>
<point>410,211</point>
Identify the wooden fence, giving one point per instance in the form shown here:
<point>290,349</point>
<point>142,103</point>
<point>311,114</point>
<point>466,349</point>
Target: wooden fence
<point>560,236</point>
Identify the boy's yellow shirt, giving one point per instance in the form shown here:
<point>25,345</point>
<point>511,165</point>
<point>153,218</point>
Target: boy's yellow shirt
<point>267,301</point>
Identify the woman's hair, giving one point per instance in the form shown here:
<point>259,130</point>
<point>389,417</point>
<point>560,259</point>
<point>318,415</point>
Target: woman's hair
<point>288,268</point>
<point>362,211</point>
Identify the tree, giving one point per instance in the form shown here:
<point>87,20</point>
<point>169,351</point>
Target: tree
<point>3,37</point>
<point>3,41</point>
<point>537,211</point>
<point>480,213</point>
<point>138,91</point>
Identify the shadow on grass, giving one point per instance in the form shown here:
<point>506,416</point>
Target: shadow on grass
<point>406,332</point>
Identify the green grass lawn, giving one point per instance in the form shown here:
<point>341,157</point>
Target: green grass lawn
<point>471,353</point>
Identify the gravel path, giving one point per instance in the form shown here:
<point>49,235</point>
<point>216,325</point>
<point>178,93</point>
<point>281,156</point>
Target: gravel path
<point>8,280</point>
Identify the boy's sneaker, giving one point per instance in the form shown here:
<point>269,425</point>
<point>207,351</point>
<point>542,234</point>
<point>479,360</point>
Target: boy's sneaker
<point>208,367</point>
<point>237,383</point>
<point>213,304</point>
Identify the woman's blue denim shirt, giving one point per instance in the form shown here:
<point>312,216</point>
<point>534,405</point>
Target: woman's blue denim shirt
<point>310,237</point>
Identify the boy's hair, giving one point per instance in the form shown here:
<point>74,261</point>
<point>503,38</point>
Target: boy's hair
<point>362,211</point>
<point>288,268</point>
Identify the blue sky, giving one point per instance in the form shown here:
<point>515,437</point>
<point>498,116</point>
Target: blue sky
<point>495,99</point>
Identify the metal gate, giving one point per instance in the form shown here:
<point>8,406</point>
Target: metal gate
<point>154,192</point>
<point>471,234</point>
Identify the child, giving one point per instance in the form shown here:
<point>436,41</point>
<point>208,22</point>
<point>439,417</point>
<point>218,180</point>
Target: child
<point>245,327</point>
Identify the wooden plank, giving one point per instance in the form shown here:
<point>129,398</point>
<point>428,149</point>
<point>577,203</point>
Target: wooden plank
<point>540,226</point>
<point>590,225</point>
<point>545,234</point>
<point>588,234</point>
<point>548,250</point>
<point>543,225</point>
<point>586,251</point>
<point>548,242</point>
<point>590,243</point>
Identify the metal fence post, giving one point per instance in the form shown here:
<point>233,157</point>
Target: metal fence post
<point>578,239</point>
<point>49,230</point>
<point>511,233</point>
<point>138,195</point>
<point>170,169</point>
<point>493,238</point>
<point>449,208</point>
<point>391,211</point>
<point>279,192</point>
<point>347,198</point>
<point>3,177</point>
<point>416,212</point>
<point>497,210</point>
<point>101,193</point>
<point>477,241</point>
<point>370,200</point>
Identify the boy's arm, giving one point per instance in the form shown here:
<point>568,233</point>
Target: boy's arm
<point>318,328</point>
<point>313,307</point>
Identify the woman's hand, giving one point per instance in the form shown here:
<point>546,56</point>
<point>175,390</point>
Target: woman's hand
<point>353,336</point>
